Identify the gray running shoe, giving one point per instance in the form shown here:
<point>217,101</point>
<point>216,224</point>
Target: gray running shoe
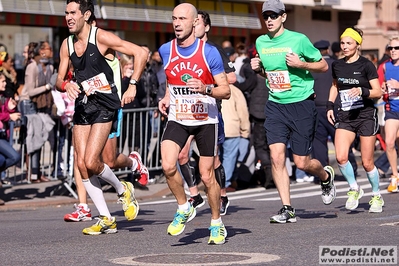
<point>328,191</point>
<point>284,216</point>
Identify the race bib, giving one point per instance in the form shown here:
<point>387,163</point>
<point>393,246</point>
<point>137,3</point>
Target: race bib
<point>350,103</point>
<point>191,108</point>
<point>98,83</point>
<point>279,80</point>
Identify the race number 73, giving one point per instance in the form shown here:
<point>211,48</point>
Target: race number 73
<point>191,107</point>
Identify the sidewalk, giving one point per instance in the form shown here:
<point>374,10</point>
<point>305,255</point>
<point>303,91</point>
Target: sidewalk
<point>53,193</point>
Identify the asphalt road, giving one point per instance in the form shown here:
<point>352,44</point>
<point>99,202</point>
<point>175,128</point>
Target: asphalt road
<point>41,237</point>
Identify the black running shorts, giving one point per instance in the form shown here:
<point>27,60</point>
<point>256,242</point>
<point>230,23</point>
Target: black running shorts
<point>293,123</point>
<point>205,136</point>
<point>92,112</point>
<point>364,122</point>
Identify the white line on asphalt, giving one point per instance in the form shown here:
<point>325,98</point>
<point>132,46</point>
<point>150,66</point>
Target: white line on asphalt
<point>312,190</point>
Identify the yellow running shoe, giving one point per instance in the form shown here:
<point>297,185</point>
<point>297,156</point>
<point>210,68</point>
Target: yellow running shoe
<point>178,224</point>
<point>102,226</point>
<point>218,234</point>
<point>130,204</point>
<point>393,186</point>
<point>376,203</point>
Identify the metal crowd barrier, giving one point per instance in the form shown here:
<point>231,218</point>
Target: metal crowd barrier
<point>141,130</point>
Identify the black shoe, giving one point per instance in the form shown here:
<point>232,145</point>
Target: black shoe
<point>197,201</point>
<point>284,216</point>
<point>137,185</point>
<point>224,204</point>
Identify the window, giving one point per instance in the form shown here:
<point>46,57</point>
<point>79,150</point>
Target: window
<point>323,15</point>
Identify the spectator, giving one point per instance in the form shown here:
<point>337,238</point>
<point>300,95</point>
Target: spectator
<point>157,65</point>
<point>241,51</point>
<point>336,51</point>
<point>236,126</point>
<point>7,68</point>
<point>259,96</point>
<point>53,108</point>
<point>231,53</point>
<point>149,83</point>
<point>36,99</point>
<point>226,44</point>
<point>130,122</point>
<point>246,77</point>
<point>385,57</point>
<point>9,156</point>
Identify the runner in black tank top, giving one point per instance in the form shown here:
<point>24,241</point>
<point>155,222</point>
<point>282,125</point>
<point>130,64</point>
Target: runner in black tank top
<point>92,52</point>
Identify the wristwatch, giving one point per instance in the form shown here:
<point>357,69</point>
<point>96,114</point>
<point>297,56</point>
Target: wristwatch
<point>208,89</point>
<point>133,82</point>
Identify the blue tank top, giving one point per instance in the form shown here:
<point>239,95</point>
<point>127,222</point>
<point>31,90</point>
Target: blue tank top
<point>392,72</point>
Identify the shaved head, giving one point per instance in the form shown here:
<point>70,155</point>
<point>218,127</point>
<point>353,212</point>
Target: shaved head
<point>184,19</point>
<point>190,10</point>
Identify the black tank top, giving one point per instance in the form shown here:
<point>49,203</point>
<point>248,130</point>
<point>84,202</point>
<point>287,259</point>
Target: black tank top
<point>90,64</point>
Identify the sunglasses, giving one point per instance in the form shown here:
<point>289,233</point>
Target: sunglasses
<point>390,48</point>
<point>273,16</point>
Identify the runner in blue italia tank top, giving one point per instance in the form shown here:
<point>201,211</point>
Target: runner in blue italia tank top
<point>286,58</point>
<point>96,103</point>
<point>355,82</point>
<point>391,97</point>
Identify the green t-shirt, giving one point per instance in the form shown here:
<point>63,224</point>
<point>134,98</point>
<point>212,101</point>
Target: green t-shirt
<point>287,84</point>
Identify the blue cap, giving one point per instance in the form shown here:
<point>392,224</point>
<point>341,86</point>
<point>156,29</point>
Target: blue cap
<point>322,44</point>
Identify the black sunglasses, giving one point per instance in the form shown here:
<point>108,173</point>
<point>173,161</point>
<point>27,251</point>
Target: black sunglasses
<point>390,48</point>
<point>273,16</point>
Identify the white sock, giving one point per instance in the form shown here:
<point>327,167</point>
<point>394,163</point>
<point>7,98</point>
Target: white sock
<point>376,193</point>
<point>185,207</point>
<point>108,176</point>
<point>85,206</point>
<point>217,221</point>
<point>354,186</point>
<point>93,188</point>
<point>134,164</point>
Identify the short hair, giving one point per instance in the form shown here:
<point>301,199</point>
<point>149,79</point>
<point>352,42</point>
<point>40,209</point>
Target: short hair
<point>393,38</point>
<point>205,17</point>
<point>241,48</point>
<point>85,5</point>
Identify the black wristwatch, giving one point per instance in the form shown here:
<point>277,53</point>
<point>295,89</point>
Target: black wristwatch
<point>208,89</point>
<point>133,82</point>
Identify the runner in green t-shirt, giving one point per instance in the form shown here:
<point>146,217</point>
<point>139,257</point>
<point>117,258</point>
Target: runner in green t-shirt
<point>286,58</point>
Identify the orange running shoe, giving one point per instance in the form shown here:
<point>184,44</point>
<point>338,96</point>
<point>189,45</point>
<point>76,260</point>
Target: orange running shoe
<point>393,186</point>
